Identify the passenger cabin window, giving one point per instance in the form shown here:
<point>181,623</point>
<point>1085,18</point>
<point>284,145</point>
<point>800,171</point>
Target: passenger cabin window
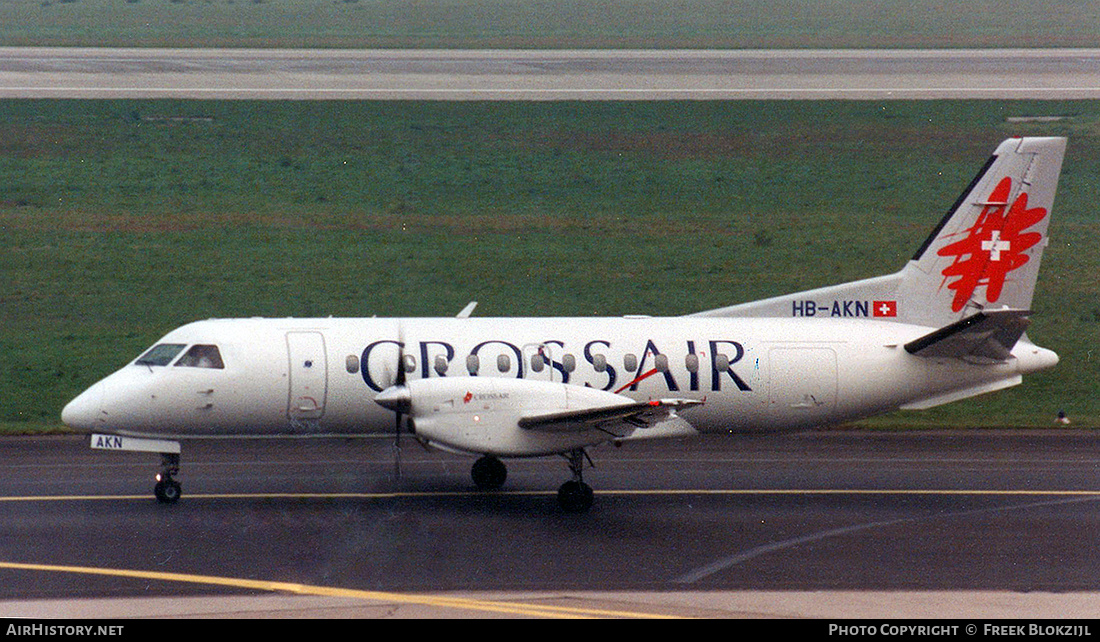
<point>161,355</point>
<point>202,356</point>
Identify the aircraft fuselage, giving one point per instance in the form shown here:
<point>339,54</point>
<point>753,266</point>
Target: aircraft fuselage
<point>298,377</point>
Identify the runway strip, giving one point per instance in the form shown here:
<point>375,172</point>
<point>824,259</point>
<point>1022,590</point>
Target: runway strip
<point>512,608</point>
<point>1084,494</point>
<point>548,75</point>
<point>974,524</point>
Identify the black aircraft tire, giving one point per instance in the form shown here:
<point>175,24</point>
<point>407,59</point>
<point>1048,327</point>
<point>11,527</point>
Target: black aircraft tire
<point>575,497</point>
<point>168,491</point>
<point>489,473</point>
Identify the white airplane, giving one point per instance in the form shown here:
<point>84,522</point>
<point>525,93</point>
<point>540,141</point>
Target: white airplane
<point>949,325</point>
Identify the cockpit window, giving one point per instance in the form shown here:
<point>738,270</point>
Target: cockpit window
<point>202,356</point>
<point>160,355</point>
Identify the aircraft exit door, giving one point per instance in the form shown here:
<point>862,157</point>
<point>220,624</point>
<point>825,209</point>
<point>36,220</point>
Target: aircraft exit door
<point>308,375</point>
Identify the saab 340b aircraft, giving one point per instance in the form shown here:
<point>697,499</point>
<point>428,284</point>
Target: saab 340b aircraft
<point>948,326</point>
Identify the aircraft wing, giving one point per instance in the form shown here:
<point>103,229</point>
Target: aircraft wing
<point>642,414</point>
<point>986,336</point>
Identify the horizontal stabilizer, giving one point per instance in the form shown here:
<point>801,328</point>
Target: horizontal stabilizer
<point>641,414</point>
<point>985,336</point>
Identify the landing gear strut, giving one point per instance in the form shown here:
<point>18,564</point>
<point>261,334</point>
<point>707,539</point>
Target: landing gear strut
<point>575,496</point>
<point>168,490</point>
<point>489,473</point>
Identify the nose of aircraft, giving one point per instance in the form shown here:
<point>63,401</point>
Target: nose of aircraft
<point>83,412</point>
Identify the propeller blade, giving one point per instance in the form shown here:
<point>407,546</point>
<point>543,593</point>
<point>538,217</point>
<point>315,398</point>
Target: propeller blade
<point>397,446</point>
<point>401,401</point>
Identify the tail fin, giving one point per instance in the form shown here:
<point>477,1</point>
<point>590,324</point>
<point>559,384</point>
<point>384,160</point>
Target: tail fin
<point>984,254</point>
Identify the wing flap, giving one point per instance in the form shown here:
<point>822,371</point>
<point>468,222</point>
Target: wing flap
<point>641,414</point>
<point>987,336</point>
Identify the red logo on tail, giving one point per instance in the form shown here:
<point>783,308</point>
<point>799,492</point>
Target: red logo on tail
<point>993,247</point>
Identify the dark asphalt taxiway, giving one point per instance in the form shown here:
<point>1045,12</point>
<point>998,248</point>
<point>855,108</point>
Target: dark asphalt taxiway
<point>841,511</point>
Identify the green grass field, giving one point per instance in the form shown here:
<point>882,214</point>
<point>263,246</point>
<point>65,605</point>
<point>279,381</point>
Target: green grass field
<point>554,24</point>
<point>121,220</point>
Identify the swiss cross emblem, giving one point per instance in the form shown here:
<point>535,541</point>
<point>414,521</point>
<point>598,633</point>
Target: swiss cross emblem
<point>885,309</point>
<point>995,246</point>
<point>468,397</point>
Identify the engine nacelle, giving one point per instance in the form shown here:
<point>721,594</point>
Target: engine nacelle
<point>481,414</point>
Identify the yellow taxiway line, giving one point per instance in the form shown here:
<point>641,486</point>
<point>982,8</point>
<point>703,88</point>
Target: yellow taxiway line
<point>439,601</point>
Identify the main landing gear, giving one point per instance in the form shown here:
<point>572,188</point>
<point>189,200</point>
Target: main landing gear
<point>489,473</point>
<point>574,496</point>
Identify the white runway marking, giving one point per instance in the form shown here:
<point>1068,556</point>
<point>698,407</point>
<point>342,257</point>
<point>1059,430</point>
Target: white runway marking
<point>737,558</point>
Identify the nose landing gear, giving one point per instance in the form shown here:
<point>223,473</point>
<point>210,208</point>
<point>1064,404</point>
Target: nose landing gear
<point>168,490</point>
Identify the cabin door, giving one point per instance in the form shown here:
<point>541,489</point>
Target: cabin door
<point>308,375</point>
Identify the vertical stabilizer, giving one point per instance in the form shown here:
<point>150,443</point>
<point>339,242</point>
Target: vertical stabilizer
<point>984,254</point>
